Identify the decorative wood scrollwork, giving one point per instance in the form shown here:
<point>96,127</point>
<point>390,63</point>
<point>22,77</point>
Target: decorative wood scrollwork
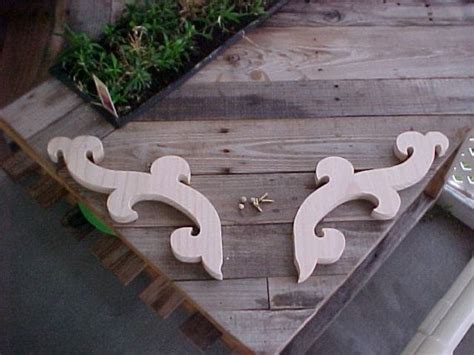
<point>379,186</point>
<point>168,182</point>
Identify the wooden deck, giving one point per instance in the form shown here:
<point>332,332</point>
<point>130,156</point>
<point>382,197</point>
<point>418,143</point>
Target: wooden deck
<point>318,79</point>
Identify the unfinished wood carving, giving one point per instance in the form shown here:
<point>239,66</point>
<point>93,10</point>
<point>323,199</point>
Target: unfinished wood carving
<point>168,183</point>
<point>379,186</point>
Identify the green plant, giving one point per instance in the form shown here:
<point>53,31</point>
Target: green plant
<point>151,45</point>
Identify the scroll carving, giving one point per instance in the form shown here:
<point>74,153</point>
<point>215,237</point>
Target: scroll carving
<point>168,182</point>
<point>379,186</point>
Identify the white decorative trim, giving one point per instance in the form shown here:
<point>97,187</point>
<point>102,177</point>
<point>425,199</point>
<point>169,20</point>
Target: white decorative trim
<point>168,182</point>
<point>379,186</point>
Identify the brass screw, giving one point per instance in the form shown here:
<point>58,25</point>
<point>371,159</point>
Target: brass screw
<point>264,198</point>
<point>255,201</point>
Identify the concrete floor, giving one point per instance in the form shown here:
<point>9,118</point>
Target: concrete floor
<point>56,298</point>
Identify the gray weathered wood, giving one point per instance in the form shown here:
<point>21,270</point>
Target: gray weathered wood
<point>254,251</point>
<point>373,13</point>
<point>118,258</point>
<point>229,133</point>
<point>285,293</point>
<point>90,16</point>
<point>259,146</point>
<point>335,53</point>
<point>225,191</point>
<point>19,165</point>
<point>262,331</point>
<point>38,108</point>
<point>200,331</point>
<point>83,120</point>
<point>314,99</point>
<point>236,294</point>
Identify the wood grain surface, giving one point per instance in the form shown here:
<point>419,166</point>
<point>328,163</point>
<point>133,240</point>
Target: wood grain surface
<point>264,250</point>
<point>287,190</point>
<point>335,53</point>
<point>314,99</point>
<point>374,13</point>
<point>90,16</point>
<point>319,78</point>
<point>260,146</point>
<point>34,111</point>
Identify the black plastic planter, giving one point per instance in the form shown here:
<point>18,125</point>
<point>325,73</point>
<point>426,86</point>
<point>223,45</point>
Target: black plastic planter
<point>57,72</point>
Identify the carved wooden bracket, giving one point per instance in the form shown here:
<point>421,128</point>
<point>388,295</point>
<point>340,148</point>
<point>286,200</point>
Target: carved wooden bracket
<point>168,182</point>
<point>379,186</point>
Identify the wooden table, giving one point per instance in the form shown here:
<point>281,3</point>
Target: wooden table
<point>318,79</point>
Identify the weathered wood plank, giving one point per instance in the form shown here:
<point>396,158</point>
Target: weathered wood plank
<point>224,191</point>
<point>285,293</point>
<point>236,321</point>
<point>91,16</point>
<point>259,146</point>
<point>254,251</point>
<point>237,294</point>
<point>200,331</point>
<point>168,301</point>
<point>84,120</point>
<point>311,99</point>
<point>377,236</point>
<point>162,296</point>
<point>329,53</point>
<point>261,250</point>
<point>128,267</point>
<point>37,109</point>
<point>19,165</point>
<point>117,8</point>
<point>224,153</point>
<point>46,191</point>
<point>146,241</point>
<point>373,13</point>
<point>262,331</point>
<point>118,258</point>
<point>115,253</point>
<point>254,235</point>
<point>102,246</point>
<point>150,294</point>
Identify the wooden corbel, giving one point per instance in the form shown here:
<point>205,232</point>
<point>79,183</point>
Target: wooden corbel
<point>168,182</point>
<point>378,186</point>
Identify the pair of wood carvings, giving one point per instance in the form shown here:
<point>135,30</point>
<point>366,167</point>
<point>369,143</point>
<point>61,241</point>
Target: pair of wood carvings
<point>170,176</point>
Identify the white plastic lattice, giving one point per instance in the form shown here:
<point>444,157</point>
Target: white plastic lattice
<point>461,176</point>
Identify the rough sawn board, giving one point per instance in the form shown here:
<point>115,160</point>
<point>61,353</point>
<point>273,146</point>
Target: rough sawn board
<point>321,78</point>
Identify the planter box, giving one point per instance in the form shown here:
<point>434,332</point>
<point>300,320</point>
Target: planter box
<point>58,72</point>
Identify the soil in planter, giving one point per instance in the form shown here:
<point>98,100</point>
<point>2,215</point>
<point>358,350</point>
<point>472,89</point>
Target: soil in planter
<point>152,45</point>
